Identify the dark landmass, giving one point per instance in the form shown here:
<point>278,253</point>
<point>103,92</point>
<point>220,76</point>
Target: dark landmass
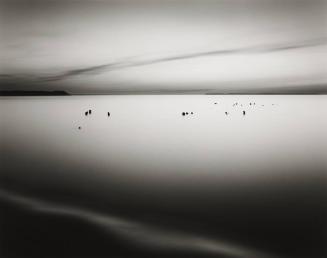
<point>32,93</point>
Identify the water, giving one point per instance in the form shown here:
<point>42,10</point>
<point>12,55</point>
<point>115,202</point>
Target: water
<point>241,184</point>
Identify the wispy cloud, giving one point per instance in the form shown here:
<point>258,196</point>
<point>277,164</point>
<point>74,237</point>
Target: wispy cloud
<point>104,68</point>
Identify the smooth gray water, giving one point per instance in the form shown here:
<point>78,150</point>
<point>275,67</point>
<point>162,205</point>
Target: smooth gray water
<point>148,139</point>
<point>207,174</point>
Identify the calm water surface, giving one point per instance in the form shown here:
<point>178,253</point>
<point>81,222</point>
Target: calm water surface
<point>207,183</point>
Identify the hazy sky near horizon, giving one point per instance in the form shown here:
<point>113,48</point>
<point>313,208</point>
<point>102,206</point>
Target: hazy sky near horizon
<point>98,46</point>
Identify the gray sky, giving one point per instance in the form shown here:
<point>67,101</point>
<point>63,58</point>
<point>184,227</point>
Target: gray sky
<point>110,46</point>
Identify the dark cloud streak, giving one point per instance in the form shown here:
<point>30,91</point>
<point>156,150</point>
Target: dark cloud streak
<point>129,64</point>
<point>21,82</point>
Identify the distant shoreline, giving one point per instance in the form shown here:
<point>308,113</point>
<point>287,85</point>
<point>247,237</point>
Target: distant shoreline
<point>33,93</point>
<point>161,92</point>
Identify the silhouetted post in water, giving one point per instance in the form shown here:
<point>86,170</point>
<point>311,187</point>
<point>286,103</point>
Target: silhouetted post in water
<point>191,113</point>
<point>90,111</point>
<point>226,113</point>
<point>243,113</point>
<point>86,113</point>
<point>183,114</point>
<point>186,113</point>
<point>79,128</point>
<point>108,114</point>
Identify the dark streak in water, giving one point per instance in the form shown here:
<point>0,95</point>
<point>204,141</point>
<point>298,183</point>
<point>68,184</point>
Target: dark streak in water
<point>138,234</point>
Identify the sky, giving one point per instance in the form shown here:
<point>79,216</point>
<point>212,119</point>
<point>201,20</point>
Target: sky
<point>163,46</point>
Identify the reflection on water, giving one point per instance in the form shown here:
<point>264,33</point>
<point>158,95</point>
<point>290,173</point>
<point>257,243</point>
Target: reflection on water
<point>206,175</point>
